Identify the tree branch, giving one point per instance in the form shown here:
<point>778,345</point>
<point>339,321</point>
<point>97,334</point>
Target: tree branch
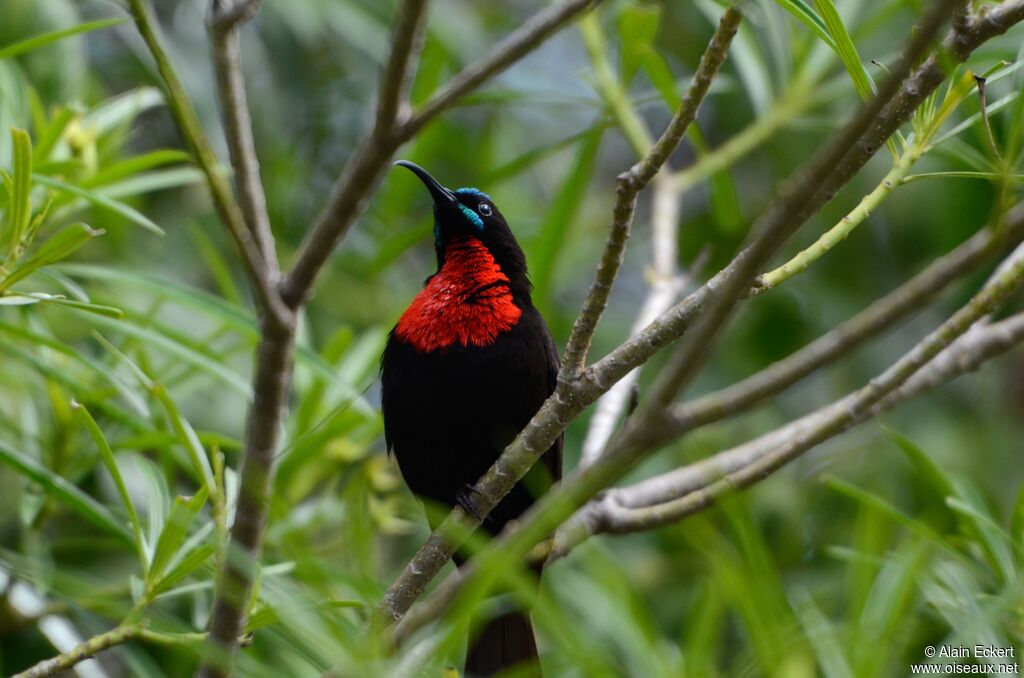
<point>188,122</point>
<point>271,385</point>
<point>630,184</point>
<point>627,510</point>
<point>226,14</point>
<point>406,45</point>
<point>80,652</point>
<point>790,213</point>
<point>666,286</point>
<point>845,338</point>
<point>944,354</point>
<point>614,511</point>
<point>238,124</point>
<point>639,349</point>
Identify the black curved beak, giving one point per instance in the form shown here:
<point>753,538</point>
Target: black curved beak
<point>439,193</point>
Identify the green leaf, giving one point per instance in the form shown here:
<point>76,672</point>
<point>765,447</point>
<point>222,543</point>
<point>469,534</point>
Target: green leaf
<point>107,455</point>
<point>132,166</point>
<point>551,239</point>
<point>807,16</point>
<point>822,635</point>
<point>57,247</point>
<point>101,310</point>
<point>218,309</point>
<point>50,134</point>
<point>64,491</point>
<point>845,48</point>
<point>988,534</point>
<point>149,182</point>
<point>884,507</point>
<point>923,465</point>
<point>660,75</point>
<point>725,202</point>
<point>187,436</point>
<point>45,39</point>
<point>36,338</point>
<point>189,355</point>
<point>973,119</point>
<point>103,201</point>
<point>19,202</point>
<point>158,502</point>
<point>122,109</point>
<point>638,27</point>
<point>267,615</point>
<point>1017,519</point>
<point>215,263</point>
<point>185,567</point>
<point>37,222</point>
<point>183,514</point>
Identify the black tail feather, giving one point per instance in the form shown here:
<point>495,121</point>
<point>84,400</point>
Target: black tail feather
<point>505,642</point>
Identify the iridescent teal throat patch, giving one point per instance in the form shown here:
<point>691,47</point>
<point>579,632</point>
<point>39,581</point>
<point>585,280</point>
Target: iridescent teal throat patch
<point>470,213</point>
<point>473,217</point>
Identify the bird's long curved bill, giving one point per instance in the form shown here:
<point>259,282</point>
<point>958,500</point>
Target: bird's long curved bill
<point>439,193</point>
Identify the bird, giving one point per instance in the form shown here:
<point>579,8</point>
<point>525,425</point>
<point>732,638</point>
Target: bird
<point>464,369</point>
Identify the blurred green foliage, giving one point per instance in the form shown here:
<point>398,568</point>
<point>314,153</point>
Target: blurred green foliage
<point>125,358</point>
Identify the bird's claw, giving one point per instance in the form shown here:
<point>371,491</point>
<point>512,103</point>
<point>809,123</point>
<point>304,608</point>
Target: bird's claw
<point>464,498</point>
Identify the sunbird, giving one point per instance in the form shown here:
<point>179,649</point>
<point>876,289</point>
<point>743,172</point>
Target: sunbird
<point>466,367</point>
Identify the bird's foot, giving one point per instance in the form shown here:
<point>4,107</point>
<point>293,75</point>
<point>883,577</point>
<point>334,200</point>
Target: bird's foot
<point>464,498</point>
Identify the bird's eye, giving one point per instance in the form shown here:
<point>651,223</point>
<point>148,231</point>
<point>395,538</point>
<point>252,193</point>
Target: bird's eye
<point>484,209</point>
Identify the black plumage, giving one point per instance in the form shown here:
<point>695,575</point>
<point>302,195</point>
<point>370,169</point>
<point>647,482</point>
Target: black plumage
<point>465,369</point>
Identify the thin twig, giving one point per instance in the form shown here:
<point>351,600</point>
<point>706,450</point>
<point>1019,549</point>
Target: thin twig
<point>981,343</point>
<point>845,338</point>
<point>630,184</point>
<point>686,361</point>
<point>227,208</point>
<point>80,652</point>
<point>234,105</point>
<point>227,14</point>
<point>406,45</point>
<point>829,179</point>
<point>624,510</point>
<point>754,461</point>
<point>666,286</point>
<point>365,168</point>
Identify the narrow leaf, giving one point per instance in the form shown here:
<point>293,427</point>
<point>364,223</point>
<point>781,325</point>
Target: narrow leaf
<point>67,493</point>
<point>122,109</point>
<point>183,514</point>
<point>845,48</point>
<point>135,165</point>
<point>107,455</point>
<point>57,247</point>
<point>808,17</point>
<point>45,39</point>
<point>129,213</point>
<point>185,567</point>
<point>187,436</point>
<point>20,202</point>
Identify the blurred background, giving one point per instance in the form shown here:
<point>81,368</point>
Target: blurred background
<point>902,533</point>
